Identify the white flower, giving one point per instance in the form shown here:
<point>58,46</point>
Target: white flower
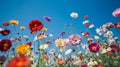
<point>50,35</point>
<point>26,37</point>
<point>1,29</point>
<point>91,26</point>
<point>52,51</point>
<point>79,52</point>
<point>74,15</point>
<point>92,63</point>
<point>35,39</point>
<point>44,46</point>
<point>104,51</point>
<point>108,34</point>
<point>68,51</point>
<point>99,31</point>
<point>97,37</point>
<point>109,49</point>
<point>86,21</point>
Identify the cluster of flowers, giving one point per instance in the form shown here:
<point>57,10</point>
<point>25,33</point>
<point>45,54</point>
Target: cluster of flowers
<point>71,51</point>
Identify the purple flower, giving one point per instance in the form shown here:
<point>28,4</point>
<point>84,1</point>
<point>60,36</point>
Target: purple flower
<point>75,39</point>
<point>94,47</point>
<point>47,18</point>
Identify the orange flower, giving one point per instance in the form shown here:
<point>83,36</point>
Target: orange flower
<point>60,61</point>
<point>19,61</point>
<point>46,57</point>
<point>23,48</point>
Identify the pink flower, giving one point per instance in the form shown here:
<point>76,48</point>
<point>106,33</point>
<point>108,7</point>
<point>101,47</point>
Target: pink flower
<point>116,13</point>
<point>75,39</point>
<point>94,47</point>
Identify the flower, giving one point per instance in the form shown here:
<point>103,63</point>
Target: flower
<point>44,46</point>
<point>22,28</point>
<point>94,47</point>
<point>74,15</point>
<point>86,22</point>
<point>97,37</point>
<point>19,61</point>
<point>14,22</point>
<point>46,57</point>
<point>44,29</point>
<point>117,25</point>
<point>40,36</point>
<point>60,42</point>
<point>5,23</point>
<point>5,44</point>
<point>47,18</point>
<point>5,32</point>
<point>86,34</point>
<point>60,61</point>
<point>99,31</point>
<point>68,51</point>
<point>22,48</point>
<point>52,51</point>
<point>35,25</point>
<point>2,59</point>
<point>109,34</point>
<point>114,48</point>
<point>92,63</point>
<point>85,16</point>
<point>75,39</point>
<point>116,13</point>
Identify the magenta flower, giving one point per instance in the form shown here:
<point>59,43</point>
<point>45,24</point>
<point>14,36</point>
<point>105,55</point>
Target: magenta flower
<point>94,47</point>
<point>75,39</point>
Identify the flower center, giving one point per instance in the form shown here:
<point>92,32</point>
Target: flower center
<point>74,39</point>
<point>59,42</point>
<point>93,48</point>
<point>35,25</point>
<point>5,32</point>
<point>5,45</point>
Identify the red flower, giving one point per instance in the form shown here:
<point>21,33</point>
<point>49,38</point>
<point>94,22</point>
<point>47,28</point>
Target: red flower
<point>5,44</point>
<point>86,16</point>
<point>94,47</point>
<point>35,25</point>
<point>86,34</point>
<point>19,61</point>
<point>114,48</point>
<point>5,23</point>
<point>117,25</point>
<point>5,32</point>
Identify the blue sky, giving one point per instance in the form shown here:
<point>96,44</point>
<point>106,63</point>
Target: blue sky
<point>99,12</point>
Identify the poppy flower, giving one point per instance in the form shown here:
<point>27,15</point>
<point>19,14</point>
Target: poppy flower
<point>116,13</point>
<point>46,57</point>
<point>22,49</point>
<point>5,23</point>
<point>35,25</point>
<point>60,61</point>
<point>86,34</point>
<point>94,47</point>
<point>48,42</point>
<point>86,16</point>
<point>63,33</point>
<point>2,59</point>
<point>47,18</point>
<point>5,32</point>
<point>29,43</point>
<point>5,44</point>
<point>14,22</point>
<point>19,61</point>
<point>117,25</point>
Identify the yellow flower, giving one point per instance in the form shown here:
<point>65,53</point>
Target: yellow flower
<point>44,29</point>
<point>22,49</point>
<point>14,22</point>
<point>22,27</point>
